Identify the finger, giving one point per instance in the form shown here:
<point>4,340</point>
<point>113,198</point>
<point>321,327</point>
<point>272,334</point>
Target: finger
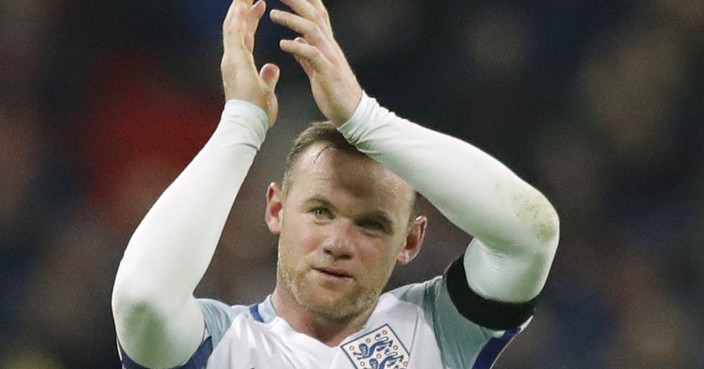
<point>231,12</point>
<point>302,8</point>
<point>311,31</point>
<point>269,74</point>
<point>234,35</point>
<point>318,4</point>
<point>255,15</point>
<point>228,16</point>
<point>258,9</point>
<point>241,18</point>
<point>307,53</point>
<point>252,17</point>
<point>305,65</point>
<point>302,62</point>
<point>308,11</point>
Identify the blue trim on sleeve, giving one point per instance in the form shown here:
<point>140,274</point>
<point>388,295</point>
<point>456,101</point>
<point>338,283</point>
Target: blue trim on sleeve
<point>127,362</point>
<point>254,310</point>
<point>487,357</point>
<point>197,361</point>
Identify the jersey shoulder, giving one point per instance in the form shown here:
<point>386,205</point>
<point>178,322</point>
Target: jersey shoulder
<point>462,339</point>
<point>218,317</point>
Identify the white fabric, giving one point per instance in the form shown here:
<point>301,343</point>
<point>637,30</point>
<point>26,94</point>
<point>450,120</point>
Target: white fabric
<point>413,327</point>
<point>158,321</point>
<point>515,227</point>
<point>250,344</point>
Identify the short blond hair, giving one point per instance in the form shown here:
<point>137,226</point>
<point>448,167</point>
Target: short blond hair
<point>327,134</point>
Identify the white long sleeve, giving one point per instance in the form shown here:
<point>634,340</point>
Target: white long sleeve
<point>158,321</point>
<point>515,227</point>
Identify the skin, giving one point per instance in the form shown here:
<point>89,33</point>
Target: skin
<point>334,257</point>
<point>343,223</point>
<point>343,226</point>
<point>333,84</point>
<point>240,78</point>
<point>336,252</point>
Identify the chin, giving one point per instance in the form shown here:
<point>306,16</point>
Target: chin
<point>329,303</point>
<point>335,307</point>
<point>338,311</point>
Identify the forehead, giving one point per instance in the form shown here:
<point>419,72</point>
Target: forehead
<point>322,169</point>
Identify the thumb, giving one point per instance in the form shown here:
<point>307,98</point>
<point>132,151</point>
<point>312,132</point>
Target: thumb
<point>269,74</point>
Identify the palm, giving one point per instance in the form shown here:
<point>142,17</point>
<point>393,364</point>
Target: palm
<point>240,78</point>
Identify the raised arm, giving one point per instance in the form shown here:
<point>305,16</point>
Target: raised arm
<point>158,321</point>
<point>515,227</point>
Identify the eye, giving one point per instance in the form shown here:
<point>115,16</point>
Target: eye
<point>373,226</point>
<point>321,213</point>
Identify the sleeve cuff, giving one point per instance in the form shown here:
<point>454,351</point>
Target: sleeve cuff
<point>246,114</point>
<point>355,127</point>
<point>491,314</point>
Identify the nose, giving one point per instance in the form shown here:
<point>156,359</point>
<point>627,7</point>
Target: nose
<point>340,242</point>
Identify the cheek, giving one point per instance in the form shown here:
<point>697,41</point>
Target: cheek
<point>380,257</point>
<point>378,267</point>
<point>298,236</point>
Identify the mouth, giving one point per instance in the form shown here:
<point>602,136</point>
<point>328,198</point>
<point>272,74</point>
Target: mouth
<point>333,273</point>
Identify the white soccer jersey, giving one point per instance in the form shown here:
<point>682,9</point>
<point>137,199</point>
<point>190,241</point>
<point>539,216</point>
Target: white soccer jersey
<point>440,323</point>
<point>413,327</point>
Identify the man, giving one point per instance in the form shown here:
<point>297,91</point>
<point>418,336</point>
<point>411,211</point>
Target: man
<point>345,217</point>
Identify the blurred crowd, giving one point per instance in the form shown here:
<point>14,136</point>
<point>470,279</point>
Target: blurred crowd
<point>599,103</point>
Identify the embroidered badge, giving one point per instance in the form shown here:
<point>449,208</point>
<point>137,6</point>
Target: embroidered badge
<point>379,349</point>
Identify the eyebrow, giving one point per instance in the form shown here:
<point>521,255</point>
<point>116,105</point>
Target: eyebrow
<point>317,200</point>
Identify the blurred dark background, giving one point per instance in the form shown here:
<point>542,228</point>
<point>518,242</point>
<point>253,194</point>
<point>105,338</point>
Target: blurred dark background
<point>598,103</point>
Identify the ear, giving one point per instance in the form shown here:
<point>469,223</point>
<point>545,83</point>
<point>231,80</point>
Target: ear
<point>414,240</point>
<point>274,208</point>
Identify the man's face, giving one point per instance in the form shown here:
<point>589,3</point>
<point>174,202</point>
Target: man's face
<point>343,225</point>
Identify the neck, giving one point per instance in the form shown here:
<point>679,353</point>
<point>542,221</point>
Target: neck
<point>330,331</point>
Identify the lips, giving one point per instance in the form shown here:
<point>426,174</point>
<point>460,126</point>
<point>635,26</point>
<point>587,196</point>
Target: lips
<point>339,273</point>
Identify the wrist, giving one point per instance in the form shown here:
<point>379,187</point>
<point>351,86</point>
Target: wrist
<point>348,110</point>
<point>245,114</point>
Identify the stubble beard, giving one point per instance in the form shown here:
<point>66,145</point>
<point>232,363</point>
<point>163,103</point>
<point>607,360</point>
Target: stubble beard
<point>343,308</point>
